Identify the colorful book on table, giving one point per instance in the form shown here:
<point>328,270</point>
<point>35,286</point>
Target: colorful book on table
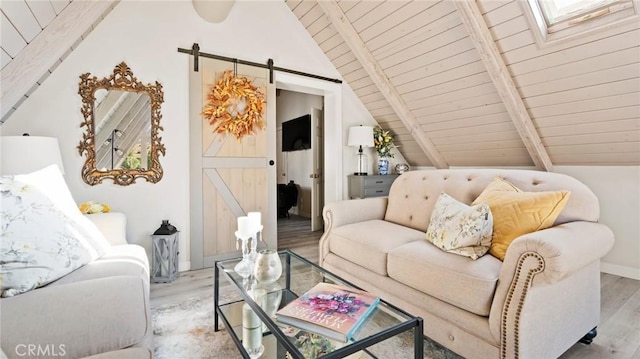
<point>331,310</point>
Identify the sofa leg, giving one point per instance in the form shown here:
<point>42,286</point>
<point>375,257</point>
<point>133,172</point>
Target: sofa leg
<point>588,338</point>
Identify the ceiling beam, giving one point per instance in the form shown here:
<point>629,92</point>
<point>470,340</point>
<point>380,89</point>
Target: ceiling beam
<point>483,40</point>
<point>350,36</point>
<point>33,63</point>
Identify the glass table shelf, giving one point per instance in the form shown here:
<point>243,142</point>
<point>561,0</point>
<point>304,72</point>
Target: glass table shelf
<point>387,326</point>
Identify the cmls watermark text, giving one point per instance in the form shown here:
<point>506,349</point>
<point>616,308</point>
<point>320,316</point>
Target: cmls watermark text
<point>40,350</point>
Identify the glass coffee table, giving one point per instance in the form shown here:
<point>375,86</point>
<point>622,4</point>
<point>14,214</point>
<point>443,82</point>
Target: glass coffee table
<point>247,310</point>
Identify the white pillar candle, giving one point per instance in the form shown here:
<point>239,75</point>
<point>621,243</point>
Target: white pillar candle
<point>164,268</point>
<point>249,318</point>
<point>255,219</point>
<point>252,338</point>
<point>244,226</point>
<point>251,328</point>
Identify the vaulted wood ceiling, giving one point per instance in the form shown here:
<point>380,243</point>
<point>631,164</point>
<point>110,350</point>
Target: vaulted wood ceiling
<point>463,83</point>
<point>459,83</point>
<point>37,35</point>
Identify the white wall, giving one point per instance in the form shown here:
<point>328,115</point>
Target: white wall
<point>296,165</point>
<point>618,190</point>
<point>355,114</point>
<point>146,35</point>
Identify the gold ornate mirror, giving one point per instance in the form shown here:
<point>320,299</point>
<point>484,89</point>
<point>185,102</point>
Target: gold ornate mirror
<point>122,120</point>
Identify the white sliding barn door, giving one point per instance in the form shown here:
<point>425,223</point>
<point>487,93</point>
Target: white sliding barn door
<point>229,177</point>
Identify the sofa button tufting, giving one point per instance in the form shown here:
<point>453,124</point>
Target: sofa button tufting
<point>451,337</point>
<point>410,217</point>
<point>469,179</point>
<point>406,196</point>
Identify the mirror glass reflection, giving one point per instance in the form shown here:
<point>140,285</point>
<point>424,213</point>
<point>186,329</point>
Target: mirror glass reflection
<point>123,130</point>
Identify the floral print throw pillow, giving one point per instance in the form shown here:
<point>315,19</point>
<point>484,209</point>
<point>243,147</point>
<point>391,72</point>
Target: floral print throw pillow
<point>461,229</point>
<point>39,243</point>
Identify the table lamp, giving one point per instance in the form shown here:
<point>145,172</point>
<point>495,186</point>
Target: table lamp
<point>360,136</point>
<point>26,154</point>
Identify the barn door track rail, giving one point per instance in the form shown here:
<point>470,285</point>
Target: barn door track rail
<point>195,51</point>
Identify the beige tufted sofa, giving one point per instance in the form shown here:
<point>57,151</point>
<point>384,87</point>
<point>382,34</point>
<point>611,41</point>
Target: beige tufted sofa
<point>542,300</point>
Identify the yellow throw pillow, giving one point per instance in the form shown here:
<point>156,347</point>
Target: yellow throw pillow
<point>516,212</point>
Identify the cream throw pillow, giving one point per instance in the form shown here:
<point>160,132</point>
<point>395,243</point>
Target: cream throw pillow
<point>43,235</point>
<point>461,229</point>
<point>516,212</point>
<point>50,182</point>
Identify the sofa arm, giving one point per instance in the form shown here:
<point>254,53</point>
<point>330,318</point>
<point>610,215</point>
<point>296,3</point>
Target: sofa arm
<point>538,271</point>
<point>565,248</point>
<point>113,226</point>
<point>339,213</point>
<point>77,319</point>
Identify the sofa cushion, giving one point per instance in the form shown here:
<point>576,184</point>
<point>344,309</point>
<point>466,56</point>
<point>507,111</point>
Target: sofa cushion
<point>112,225</point>
<point>128,259</point>
<point>82,318</point>
<point>457,228</point>
<point>516,212</point>
<point>368,243</point>
<point>460,281</point>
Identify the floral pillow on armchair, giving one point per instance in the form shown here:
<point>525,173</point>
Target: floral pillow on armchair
<point>39,240</point>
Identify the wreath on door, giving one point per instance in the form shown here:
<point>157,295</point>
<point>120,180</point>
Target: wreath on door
<point>234,106</point>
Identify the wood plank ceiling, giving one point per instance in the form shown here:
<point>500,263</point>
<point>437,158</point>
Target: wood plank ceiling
<point>418,71</point>
<point>37,35</point>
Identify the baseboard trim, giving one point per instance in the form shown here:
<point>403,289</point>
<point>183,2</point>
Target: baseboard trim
<point>623,271</point>
<point>184,266</point>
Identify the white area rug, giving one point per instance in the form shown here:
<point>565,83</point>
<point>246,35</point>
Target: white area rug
<point>185,331</point>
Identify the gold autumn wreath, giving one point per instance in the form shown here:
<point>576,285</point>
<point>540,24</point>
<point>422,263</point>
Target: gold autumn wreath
<point>234,106</point>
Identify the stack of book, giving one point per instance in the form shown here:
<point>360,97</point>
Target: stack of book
<point>331,310</point>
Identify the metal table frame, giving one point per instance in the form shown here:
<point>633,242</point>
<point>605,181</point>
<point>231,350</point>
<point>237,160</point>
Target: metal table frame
<point>414,323</point>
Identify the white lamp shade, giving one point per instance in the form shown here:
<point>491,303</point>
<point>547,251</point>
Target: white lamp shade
<point>26,154</point>
<point>360,136</point>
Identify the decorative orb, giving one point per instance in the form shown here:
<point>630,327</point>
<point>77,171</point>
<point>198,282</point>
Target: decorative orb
<point>268,267</point>
<point>402,168</point>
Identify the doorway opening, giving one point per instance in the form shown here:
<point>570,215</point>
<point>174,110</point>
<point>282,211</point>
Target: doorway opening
<point>299,164</point>
<point>330,181</point>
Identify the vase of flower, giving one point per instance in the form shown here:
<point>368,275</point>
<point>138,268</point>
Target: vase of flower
<point>383,166</point>
<point>383,141</point>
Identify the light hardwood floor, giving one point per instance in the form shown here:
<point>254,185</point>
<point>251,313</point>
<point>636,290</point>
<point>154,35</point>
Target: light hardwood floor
<point>618,332</point>
<point>293,233</point>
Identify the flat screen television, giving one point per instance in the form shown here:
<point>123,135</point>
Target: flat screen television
<point>296,134</point>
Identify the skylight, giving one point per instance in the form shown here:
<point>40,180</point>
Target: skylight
<point>556,11</point>
<point>557,19</point>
